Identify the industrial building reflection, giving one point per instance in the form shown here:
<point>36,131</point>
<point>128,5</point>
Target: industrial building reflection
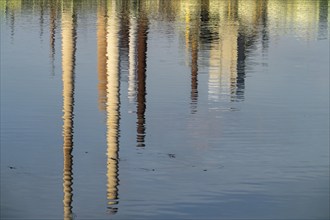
<point>218,37</point>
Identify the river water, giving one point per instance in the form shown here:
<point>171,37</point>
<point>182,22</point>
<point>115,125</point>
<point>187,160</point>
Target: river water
<point>155,109</point>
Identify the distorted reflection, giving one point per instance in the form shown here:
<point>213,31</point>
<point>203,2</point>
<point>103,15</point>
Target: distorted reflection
<point>52,31</point>
<point>141,73</point>
<point>323,19</point>
<point>41,18</point>
<point>218,37</point>
<point>191,37</point>
<point>132,56</point>
<point>68,66</point>
<point>112,103</point>
<point>102,11</point>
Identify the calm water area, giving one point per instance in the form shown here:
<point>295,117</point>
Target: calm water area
<point>164,109</point>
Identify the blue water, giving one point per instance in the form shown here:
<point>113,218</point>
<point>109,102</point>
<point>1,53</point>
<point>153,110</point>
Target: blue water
<point>157,109</point>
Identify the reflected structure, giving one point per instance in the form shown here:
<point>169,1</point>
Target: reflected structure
<point>192,33</point>
<point>52,31</point>
<point>141,73</point>
<point>323,19</point>
<point>68,66</point>
<point>132,55</point>
<point>102,53</point>
<point>232,36</point>
<point>224,53</point>
<point>112,104</point>
<point>108,56</point>
<point>219,38</point>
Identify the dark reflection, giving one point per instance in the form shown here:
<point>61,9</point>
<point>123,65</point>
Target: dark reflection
<point>194,76</point>
<point>241,57</point>
<point>68,66</point>
<point>264,25</point>
<point>323,19</point>
<point>41,18</point>
<point>206,33</point>
<point>11,19</point>
<point>192,42</point>
<point>102,12</point>
<point>141,73</point>
<point>112,103</point>
<point>52,31</point>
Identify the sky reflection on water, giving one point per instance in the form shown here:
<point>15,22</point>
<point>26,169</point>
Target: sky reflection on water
<point>168,109</point>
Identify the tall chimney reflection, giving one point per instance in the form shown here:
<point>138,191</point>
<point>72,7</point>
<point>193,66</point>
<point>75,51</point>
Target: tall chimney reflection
<point>101,53</point>
<point>194,71</point>
<point>132,59</point>
<point>112,106</point>
<point>141,76</point>
<point>68,64</point>
<point>192,29</point>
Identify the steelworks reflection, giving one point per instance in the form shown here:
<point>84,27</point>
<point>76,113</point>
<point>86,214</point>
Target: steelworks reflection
<point>215,28</point>
<point>132,46</point>
<point>225,32</point>
<point>112,37</point>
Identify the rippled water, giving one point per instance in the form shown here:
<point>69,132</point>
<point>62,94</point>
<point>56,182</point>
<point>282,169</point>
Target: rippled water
<point>155,109</point>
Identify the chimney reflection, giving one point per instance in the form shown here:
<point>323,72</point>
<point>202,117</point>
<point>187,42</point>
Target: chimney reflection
<point>68,65</point>
<point>191,36</point>
<point>112,105</point>
<point>132,58</point>
<point>41,18</point>
<point>101,53</point>
<point>52,30</point>
<point>141,75</point>
<point>194,75</point>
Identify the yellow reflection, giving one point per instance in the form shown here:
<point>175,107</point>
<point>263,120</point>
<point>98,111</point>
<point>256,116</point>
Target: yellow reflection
<point>68,63</point>
<point>113,103</point>
<point>301,17</point>
<point>223,62</point>
<point>192,35</point>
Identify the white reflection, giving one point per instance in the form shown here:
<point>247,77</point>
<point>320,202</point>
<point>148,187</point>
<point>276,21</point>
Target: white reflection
<point>132,59</point>
<point>112,106</point>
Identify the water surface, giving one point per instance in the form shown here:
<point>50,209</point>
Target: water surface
<point>154,109</point>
